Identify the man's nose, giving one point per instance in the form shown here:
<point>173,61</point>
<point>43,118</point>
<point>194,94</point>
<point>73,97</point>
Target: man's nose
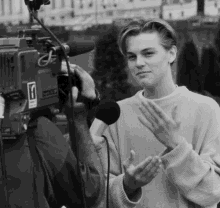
<point>140,62</point>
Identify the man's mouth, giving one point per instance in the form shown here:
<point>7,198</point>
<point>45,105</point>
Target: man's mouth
<point>140,73</point>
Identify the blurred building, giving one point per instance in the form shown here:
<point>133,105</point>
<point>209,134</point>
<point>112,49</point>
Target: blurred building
<point>212,7</point>
<point>57,13</point>
<point>13,12</point>
<point>91,12</point>
<point>80,14</point>
<point>179,9</point>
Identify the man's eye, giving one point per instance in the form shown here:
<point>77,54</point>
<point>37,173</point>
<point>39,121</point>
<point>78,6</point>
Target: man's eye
<point>148,54</point>
<point>130,57</point>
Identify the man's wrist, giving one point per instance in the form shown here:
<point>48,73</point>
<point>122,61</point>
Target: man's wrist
<point>175,143</point>
<point>131,193</point>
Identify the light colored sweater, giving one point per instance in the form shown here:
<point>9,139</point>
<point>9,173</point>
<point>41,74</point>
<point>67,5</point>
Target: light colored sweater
<point>191,173</point>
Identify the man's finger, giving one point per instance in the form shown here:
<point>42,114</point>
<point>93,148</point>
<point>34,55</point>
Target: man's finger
<point>130,160</point>
<point>147,124</point>
<point>148,116</point>
<point>152,167</point>
<point>152,113</point>
<point>174,116</point>
<point>73,68</point>
<point>75,93</point>
<point>142,165</point>
<point>158,112</point>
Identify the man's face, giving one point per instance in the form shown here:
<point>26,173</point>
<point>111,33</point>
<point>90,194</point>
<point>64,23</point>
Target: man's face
<point>147,59</point>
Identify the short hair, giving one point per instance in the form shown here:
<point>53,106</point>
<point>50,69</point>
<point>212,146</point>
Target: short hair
<point>135,27</point>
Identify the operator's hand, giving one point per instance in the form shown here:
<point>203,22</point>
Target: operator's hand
<point>87,83</point>
<point>137,176</point>
<point>87,91</point>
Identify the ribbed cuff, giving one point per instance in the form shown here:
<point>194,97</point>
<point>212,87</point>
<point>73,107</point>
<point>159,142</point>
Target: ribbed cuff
<point>118,195</point>
<point>177,155</point>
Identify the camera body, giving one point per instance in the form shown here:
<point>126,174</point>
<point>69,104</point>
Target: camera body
<point>31,85</point>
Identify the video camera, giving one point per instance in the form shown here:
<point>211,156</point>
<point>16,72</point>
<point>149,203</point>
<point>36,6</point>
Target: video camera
<point>30,78</point>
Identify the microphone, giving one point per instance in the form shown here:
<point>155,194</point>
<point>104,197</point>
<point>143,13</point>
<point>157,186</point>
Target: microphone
<point>74,48</point>
<point>107,113</point>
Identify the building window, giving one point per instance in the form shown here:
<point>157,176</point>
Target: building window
<point>2,7</point>
<point>170,15</point>
<point>10,7</point>
<point>63,3</point>
<point>115,3</point>
<point>72,14</point>
<point>103,4</point>
<point>109,13</point>
<point>81,4</point>
<point>53,4</point>
<point>21,6</point>
<point>90,4</point>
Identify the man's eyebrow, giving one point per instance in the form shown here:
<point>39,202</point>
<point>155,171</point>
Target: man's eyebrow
<point>144,50</point>
<point>147,49</point>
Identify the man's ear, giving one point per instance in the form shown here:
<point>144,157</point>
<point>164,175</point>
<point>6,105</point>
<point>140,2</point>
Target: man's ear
<point>173,54</point>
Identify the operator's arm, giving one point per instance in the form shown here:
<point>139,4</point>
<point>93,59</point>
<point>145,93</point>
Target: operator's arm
<point>61,154</point>
<point>61,166</point>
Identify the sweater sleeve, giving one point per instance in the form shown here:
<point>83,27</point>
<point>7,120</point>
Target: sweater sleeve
<point>196,172</point>
<point>117,195</point>
<point>61,167</point>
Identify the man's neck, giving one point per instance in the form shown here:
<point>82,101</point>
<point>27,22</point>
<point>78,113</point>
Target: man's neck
<point>160,91</point>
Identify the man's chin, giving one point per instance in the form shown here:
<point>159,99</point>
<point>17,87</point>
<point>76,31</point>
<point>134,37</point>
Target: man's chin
<point>146,84</point>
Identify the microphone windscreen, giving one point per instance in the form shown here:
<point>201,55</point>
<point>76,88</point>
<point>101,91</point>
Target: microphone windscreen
<point>108,111</point>
<point>80,47</point>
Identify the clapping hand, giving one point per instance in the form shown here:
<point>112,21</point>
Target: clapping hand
<point>137,176</point>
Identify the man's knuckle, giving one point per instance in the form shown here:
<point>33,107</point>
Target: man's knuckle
<point>137,177</point>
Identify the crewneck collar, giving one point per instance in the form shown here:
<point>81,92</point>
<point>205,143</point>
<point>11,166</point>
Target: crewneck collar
<point>166,100</point>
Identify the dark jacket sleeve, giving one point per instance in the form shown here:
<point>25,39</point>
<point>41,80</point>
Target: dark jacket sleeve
<point>61,167</point>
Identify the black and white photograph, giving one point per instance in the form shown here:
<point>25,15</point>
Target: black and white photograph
<point>109,103</point>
